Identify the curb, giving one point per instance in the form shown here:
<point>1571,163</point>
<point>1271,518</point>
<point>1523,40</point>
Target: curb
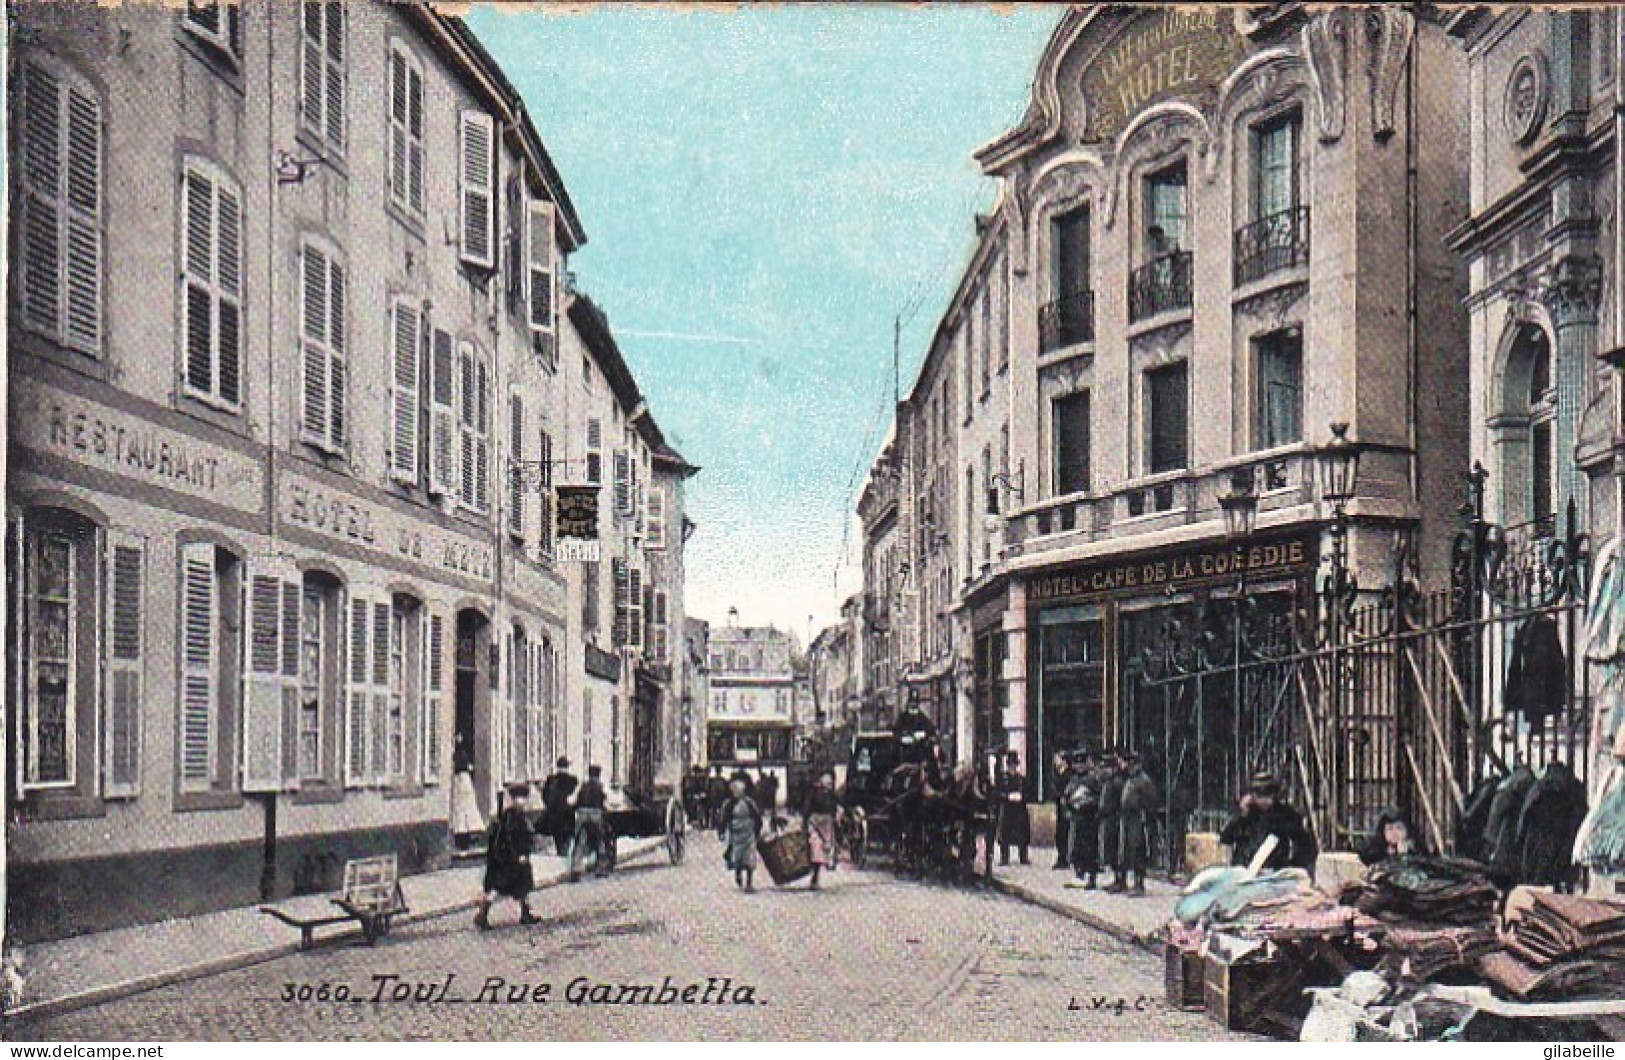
<point>1150,943</point>
<point>100,995</point>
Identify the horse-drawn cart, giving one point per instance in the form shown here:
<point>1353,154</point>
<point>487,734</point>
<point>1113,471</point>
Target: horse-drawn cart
<point>925,818</point>
<point>642,818</point>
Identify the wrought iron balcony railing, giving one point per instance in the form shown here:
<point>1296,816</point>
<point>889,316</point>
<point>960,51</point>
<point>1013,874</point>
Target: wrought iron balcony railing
<point>1160,286</point>
<point>1279,241</point>
<point>1068,320</point>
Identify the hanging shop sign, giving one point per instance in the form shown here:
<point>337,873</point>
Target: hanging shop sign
<point>1165,54</point>
<point>1178,568</point>
<point>577,524</point>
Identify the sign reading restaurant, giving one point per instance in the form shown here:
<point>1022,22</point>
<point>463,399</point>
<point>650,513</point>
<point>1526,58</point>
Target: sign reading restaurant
<point>1165,54</point>
<point>1262,557</point>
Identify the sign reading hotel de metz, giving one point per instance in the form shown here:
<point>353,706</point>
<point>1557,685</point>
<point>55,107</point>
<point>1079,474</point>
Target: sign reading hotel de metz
<point>1161,55</point>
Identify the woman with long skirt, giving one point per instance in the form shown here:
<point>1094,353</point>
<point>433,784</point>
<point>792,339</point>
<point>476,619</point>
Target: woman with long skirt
<point>741,824</point>
<point>819,815</point>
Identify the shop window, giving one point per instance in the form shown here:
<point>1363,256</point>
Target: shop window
<point>1279,396</point>
<point>1167,403</point>
<point>1070,422</point>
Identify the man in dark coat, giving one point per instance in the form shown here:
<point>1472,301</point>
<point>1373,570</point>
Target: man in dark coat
<point>766,793</point>
<point>913,732</point>
<point>590,804</point>
<point>1135,812</point>
<point>1111,805</point>
<point>558,818</point>
<point>1064,772</point>
<point>716,795</point>
<point>1082,800</point>
<point>507,860</point>
<point>1264,813</point>
<point>1015,827</point>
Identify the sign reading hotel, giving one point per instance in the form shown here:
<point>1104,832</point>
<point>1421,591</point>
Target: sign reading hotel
<point>1175,569</point>
<point>1161,55</point>
<point>52,422</point>
<point>577,524</point>
<point>315,508</point>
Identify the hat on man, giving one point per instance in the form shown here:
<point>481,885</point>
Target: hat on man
<point>562,763</point>
<point>518,790</point>
<point>1264,783</point>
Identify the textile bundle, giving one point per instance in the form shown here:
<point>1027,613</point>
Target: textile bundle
<point>1434,889</point>
<point>1426,953</point>
<point>1558,927</point>
<point>1601,841</point>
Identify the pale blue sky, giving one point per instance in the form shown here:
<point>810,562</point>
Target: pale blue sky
<point>763,191</point>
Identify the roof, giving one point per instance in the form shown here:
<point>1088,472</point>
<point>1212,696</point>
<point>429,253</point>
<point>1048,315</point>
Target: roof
<point>593,327</point>
<point>463,47</point>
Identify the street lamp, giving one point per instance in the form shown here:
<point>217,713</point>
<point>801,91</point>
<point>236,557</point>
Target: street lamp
<point>1240,508</point>
<point>1339,467</point>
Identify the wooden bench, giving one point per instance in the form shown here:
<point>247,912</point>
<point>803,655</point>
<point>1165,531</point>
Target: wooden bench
<point>371,897</point>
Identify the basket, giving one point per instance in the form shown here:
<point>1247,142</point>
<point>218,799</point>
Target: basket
<point>787,855</point>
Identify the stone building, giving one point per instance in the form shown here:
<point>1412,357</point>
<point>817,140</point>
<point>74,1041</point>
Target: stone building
<point>750,719</point>
<point>272,584</point>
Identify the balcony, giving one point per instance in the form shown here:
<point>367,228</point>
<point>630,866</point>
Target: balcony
<point>1270,244</point>
<point>1285,478</point>
<point>1067,321</point>
<point>1160,286</point>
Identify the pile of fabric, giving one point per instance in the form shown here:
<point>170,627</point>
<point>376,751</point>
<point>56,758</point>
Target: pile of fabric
<point>1559,946</point>
<point>1421,953</point>
<point>1432,889</point>
<point>1222,894</point>
<point>1601,843</point>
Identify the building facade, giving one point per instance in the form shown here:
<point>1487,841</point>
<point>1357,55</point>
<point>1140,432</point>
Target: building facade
<point>750,718</point>
<point>272,582</point>
<point>1219,232</point>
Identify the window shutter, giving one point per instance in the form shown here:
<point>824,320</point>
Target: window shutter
<point>540,296</point>
<point>516,464</point>
<point>657,518</point>
<point>314,355</point>
<point>42,142</point>
<point>397,127</point>
<point>442,414</point>
<point>126,602</point>
<point>271,676</point>
<point>466,399</point>
<point>381,631</point>
<point>321,106</point>
<point>434,672</point>
<point>623,483</point>
<point>198,261</point>
<point>620,631</point>
<point>16,544</point>
<point>199,632</point>
<point>338,430</point>
<point>228,271</point>
<point>482,444</point>
<point>544,530</point>
<point>634,608</point>
<point>83,237</point>
<point>403,463</point>
<point>478,188</point>
<point>414,164</point>
<point>211,285</point>
<point>595,452</point>
<point>358,700</point>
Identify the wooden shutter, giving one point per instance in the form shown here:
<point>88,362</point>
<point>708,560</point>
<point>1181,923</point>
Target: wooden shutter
<point>321,106</point>
<point>414,127</point>
<point>200,608</point>
<point>211,285</point>
<point>595,452</point>
<point>516,464</point>
<point>620,632</point>
<point>434,681</point>
<point>544,531</point>
<point>443,463</point>
<point>634,608</point>
<point>406,337</point>
<point>477,188</point>
<point>358,721</point>
<point>656,500</point>
<point>125,610</point>
<point>482,441</point>
<point>322,340</point>
<point>382,628</point>
<point>466,398</point>
<point>623,483</point>
<point>271,673</point>
<point>81,216</point>
<point>397,126</point>
<point>540,289</point>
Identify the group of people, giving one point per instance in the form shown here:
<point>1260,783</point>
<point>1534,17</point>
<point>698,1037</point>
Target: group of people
<point>744,813</point>
<point>706,797</point>
<point>1105,806</point>
<point>570,808</point>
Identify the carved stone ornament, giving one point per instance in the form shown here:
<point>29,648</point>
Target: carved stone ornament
<point>1524,107</point>
<point>1326,42</point>
<point>1573,289</point>
<point>1389,31</point>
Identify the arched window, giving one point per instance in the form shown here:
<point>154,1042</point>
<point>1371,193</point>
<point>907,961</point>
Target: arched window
<point>1527,432</point>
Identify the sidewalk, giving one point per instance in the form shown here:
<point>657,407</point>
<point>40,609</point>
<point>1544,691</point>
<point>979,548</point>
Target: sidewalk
<point>1135,919</point>
<point>90,969</point>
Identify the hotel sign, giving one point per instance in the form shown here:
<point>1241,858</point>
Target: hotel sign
<point>1166,54</point>
<point>1174,569</point>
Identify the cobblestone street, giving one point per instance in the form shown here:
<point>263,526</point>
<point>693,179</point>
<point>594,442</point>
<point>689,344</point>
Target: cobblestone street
<point>868,957</point>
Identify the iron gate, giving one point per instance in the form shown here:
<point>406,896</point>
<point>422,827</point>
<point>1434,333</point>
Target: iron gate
<point>1361,701</point>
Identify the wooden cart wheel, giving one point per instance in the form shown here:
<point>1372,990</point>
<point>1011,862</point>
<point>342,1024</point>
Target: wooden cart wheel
<point>676,831</point>
<point>859,834</point>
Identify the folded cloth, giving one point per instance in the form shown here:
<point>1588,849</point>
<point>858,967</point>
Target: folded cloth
<point>1435,889</point>
<point>1555,927</point>
<point>1427,952</point>
<point>1559,980</point>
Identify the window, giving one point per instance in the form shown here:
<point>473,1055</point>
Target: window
<point>403,631</point>
<point>208,649</point>
<point>476,188</point>
<point>67,601</point>
<point>591,574</point>
<point>406,341</point>
<point>1280,388</point>
<point>405,131</point>
<point>657,518</point>
<point>318,605</point>
<point>1070,419</point>
<point>434,690</point>
<point>970,509</point>
<point>1167,402</point>
<point>659,647</point>
<point>623,483</point>
<point>987,339</point>
<point>517,477</point>
<point>595,452</point>
<point>321,352</point>
<point>1275,167</point>
<point>970,360</point>
<point>628,629</point>
<point>540,290</point>
<point>211,283</point>
<point>444,463</point>
<point>1542,419</point>
<point>217,25</point>
<point>1165,212</point>
<point>1069,254</point>
<point>474,429</point>
<point>59,274</point>
<point>321,75</point>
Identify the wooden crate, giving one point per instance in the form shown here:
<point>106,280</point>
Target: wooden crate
<point>1248,996</point>
<point>1184,976</point>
